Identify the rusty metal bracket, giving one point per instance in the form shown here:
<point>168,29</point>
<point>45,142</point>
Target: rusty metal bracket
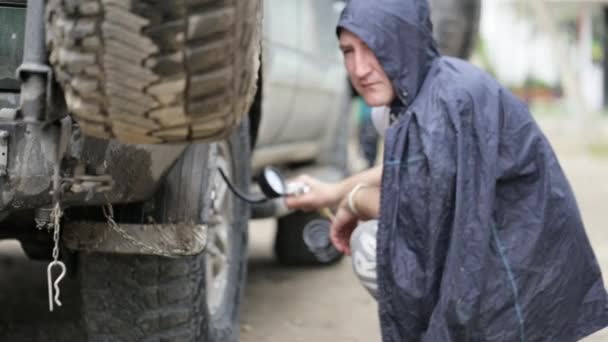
<point>88,183</point>
<point>3,153</point>
<point>44,71</point>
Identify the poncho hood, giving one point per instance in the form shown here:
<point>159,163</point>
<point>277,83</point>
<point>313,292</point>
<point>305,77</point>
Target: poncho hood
<point>401,35</point>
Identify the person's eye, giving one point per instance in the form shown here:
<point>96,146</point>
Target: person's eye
<point>347,51</point>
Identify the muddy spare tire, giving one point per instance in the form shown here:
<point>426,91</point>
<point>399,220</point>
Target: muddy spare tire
<point>156,71</point>
<point>456,25</point>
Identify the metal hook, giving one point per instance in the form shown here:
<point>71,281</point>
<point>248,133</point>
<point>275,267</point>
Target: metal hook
<point>54,285</point>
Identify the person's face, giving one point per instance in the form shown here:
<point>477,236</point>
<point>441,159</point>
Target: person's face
<point>366,73</point>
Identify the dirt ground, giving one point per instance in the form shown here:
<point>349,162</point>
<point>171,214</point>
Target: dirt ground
<point>281,304</point>
<point>305,304</point>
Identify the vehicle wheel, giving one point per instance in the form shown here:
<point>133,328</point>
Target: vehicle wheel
<point>289,246</point>
<point>150,71</point>
<point>456,24</point>
<point>197,298</point>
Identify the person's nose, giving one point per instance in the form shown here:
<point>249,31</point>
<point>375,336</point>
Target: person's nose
<point>362,66</point>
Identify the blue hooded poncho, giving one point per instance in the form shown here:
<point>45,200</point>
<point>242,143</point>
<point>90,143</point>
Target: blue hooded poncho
<point>480,237</point>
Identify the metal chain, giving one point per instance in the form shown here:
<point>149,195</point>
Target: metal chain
<point>108,212</point>
<point>56,213</point>
<point>56,216</point>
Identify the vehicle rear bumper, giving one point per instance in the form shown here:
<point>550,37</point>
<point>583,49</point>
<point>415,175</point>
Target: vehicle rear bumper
<point>136,170</point>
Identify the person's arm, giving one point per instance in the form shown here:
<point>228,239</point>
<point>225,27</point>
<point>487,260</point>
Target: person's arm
<point>371,177</point>
<point>366,203</point>
<point>323,194</point>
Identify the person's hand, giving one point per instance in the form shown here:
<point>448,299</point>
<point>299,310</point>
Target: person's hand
<point>320,195</point>
<point>342,227</point>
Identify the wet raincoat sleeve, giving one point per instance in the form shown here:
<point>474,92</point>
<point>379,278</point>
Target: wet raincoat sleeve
<point>480,237</point>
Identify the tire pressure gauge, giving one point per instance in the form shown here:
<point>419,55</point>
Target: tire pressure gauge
<point>271,183</point>
<point>273,186</point>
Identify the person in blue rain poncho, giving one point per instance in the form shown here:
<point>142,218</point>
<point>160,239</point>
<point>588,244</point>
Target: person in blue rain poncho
<point>479,237</point>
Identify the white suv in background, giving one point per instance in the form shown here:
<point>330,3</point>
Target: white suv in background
<point>304,97</point>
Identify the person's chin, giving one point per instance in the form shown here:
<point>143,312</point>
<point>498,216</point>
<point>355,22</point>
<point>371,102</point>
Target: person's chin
<point>374,101</point>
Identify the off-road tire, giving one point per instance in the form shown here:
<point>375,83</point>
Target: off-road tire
<point>150,298</point>
<point>289,246</point>
<point>156,71</point>
<point>456,25</point>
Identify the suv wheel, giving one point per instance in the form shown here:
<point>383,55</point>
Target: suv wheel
<point>196,298</point>
<point>156,71</point>
<point>289,246</point>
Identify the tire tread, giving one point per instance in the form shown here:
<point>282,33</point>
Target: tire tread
<point>143,57</point>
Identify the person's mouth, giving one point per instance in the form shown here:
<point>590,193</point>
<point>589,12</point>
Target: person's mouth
<point>368,85</point>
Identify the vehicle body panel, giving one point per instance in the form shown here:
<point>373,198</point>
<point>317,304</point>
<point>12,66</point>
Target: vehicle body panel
<point>304,81</point>
<point>280,63</point>
<point>9,100</point>
<point>135,169</point>
<point>11,45</point>
<point>318,47</point>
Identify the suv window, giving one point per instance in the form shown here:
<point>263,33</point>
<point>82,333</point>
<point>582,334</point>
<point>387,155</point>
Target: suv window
<point>12,32</point>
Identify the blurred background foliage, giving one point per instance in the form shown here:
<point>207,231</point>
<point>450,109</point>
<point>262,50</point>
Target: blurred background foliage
<point>554,56</point>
